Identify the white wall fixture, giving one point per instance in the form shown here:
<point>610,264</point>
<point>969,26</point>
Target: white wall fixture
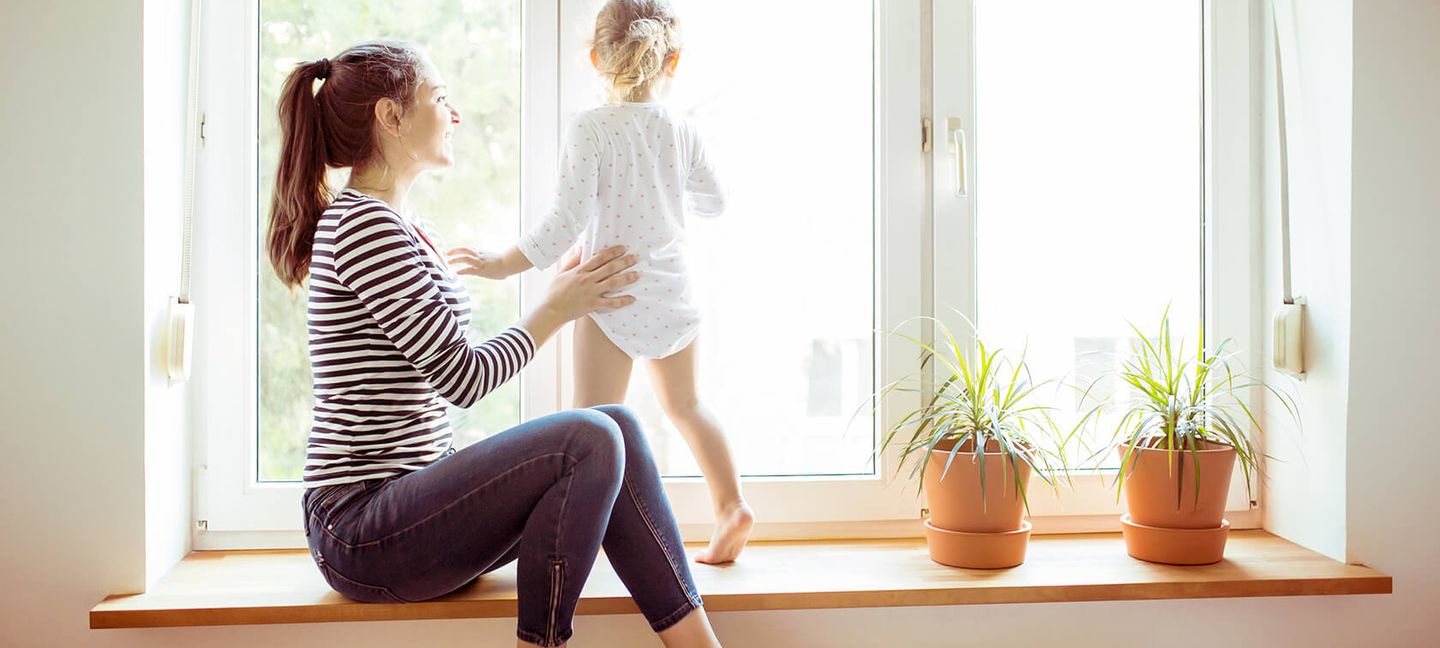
<point>180,339</point>
<point>1289,327</point>
<point>181,332</point>
<point>1289,319</point>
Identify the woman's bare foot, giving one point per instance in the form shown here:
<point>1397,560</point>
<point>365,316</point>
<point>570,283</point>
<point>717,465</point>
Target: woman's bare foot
<point>732,529</point>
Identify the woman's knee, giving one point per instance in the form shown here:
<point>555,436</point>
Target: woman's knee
<point>622,416</point>
<point>596,435</point>
<point>631,430</point>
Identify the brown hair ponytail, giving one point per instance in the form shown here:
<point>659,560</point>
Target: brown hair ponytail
<point>300,193</point>
<point>333,126</point>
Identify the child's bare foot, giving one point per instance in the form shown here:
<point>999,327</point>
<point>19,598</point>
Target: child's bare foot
<point>732,529</point>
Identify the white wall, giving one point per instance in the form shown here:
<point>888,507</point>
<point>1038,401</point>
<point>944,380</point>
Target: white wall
<point>73,390</point>
<point>1394,436</point>
<point>72,334</point>
<point>1305,493</point>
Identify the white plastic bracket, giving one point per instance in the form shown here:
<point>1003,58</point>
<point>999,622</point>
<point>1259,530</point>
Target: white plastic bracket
<point>180,337</point>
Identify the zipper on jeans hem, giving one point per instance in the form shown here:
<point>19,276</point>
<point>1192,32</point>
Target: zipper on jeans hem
<point>554,600</point>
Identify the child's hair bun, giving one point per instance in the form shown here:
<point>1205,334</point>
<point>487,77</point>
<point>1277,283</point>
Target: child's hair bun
<point>633,40</point>
<point>646,29</point>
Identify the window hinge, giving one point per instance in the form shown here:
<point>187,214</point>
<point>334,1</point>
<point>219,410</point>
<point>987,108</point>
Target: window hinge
<point>202,525</point>
<point>925,134</point>
<point>202,129</point>
<point>924,513</point>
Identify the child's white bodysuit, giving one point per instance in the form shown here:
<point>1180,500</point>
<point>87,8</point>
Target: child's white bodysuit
<point>626,171</point>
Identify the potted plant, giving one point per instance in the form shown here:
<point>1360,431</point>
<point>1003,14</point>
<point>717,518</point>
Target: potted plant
<point>978,438</point>
<point>1179,439</point>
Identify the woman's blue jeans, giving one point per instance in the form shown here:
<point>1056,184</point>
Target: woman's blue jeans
<point>549,493</point>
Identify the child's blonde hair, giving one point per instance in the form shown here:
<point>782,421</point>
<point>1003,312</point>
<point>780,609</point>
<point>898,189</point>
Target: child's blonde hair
<point>634,39</point>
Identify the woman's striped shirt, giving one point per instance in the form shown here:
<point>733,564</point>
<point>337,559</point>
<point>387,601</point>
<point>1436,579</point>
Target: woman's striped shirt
<point>387,323</point>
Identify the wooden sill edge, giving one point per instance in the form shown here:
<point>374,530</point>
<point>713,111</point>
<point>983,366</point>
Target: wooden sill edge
<point>886,573</point>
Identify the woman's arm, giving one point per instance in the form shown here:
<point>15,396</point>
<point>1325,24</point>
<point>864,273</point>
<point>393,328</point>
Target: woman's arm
<point>376,258</point>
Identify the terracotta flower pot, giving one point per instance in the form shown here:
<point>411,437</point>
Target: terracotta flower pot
<point>1166,522</point>
<point>956,502</point>
<point>1160,486</point>
<point>966,528</point>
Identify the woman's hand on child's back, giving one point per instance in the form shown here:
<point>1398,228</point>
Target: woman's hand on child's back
<point>582,288</point>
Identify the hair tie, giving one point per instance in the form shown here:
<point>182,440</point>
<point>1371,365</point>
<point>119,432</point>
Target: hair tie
<point>324,69</point>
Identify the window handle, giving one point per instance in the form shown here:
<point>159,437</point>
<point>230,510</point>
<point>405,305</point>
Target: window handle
<point>955,142</point>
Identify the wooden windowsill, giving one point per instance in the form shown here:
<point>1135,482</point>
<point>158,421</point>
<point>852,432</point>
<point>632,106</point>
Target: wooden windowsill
<point>261,587</point>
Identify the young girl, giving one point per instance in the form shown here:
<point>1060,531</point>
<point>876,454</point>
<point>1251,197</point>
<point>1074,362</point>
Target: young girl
<point>625,170</point>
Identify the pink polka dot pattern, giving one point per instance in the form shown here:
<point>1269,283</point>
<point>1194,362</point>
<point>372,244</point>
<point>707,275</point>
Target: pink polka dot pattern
<point>636,166</point>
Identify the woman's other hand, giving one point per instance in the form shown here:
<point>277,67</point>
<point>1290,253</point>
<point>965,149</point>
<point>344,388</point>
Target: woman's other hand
<point>582,288</point>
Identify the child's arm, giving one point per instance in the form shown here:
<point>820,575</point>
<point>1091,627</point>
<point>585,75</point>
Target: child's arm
<point>576,194</point>
<point>704,197</point>
<point>476,263</point>
<point>575,197</point>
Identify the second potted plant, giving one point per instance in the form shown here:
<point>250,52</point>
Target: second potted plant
<point>1179,442</point>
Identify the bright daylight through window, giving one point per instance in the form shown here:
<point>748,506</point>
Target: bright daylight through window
<point>1088,167</point>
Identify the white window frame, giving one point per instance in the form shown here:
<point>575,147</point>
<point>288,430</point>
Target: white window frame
<point>234,511</point>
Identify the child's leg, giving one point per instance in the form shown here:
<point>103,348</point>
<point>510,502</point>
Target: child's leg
<point>673,378</point>
<point>602,370</point>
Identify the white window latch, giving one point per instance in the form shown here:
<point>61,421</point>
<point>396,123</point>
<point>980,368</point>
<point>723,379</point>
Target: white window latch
<point>955,142</point>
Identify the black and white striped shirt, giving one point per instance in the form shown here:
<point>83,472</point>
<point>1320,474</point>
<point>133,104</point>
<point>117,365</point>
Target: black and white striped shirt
<point>387,323</point>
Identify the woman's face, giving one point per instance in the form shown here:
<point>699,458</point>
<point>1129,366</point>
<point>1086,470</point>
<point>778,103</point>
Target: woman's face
<point>429,123</point>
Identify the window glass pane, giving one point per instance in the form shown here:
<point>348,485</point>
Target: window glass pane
<point>785,277</point>
<point>1088,172</point>
<point>476,45</point>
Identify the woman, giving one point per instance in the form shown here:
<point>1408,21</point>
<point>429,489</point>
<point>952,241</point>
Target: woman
<point>393,513</point>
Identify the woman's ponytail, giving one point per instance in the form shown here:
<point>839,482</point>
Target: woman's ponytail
<point>301,192</point>
<point>333,126</point>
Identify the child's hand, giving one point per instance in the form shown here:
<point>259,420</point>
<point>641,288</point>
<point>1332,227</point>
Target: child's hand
<point>474,263</point>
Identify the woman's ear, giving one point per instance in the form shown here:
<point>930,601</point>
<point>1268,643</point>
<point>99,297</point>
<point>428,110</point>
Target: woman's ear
<point>671,63</point>
<point>594,58</point>
<point>387,116</point>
